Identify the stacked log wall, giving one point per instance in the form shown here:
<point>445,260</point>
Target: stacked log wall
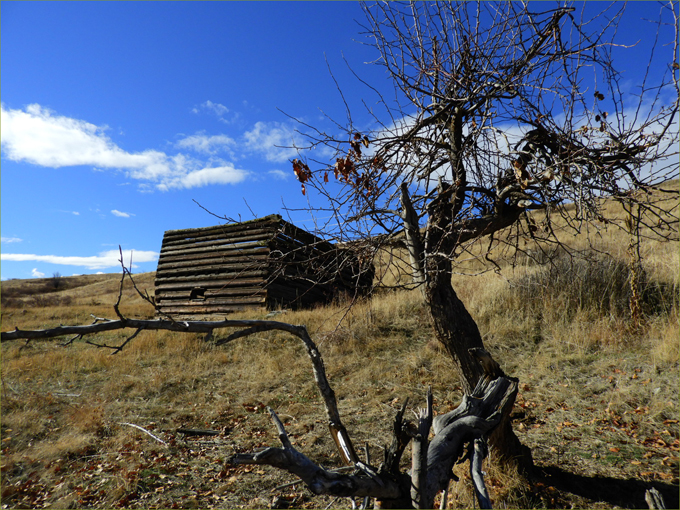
<point>266,263</point>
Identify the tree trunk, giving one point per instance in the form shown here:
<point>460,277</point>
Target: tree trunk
<point>458,332</point>
<point>453,325</point>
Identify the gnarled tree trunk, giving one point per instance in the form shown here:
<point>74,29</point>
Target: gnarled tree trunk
<point>458,333</point>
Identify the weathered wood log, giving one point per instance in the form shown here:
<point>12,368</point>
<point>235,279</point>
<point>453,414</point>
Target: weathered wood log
<point>215,276</point>
<point>272,218</point>
<point>213,293</point>
<point>178,247</point>
<point>231,229</point>
<point>252,298</point>
<point>200,262</point>
<point>225,248</point>
<point>654,499</point>
<point>196,312</point>
<point>249,248</point>
<point>212,268</point>
<point>172,284</point>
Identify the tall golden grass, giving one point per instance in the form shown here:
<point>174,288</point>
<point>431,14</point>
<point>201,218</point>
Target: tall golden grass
<point>579,363</point>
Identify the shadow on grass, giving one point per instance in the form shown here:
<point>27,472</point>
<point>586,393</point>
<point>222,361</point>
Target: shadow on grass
<point>621,492</point>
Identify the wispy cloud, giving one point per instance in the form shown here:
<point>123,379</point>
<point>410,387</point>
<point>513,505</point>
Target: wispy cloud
<point>273,140</point>
<point>38,136</point>
<point>37,274</point>
<point>218,110</point>
<point>206,144</point>
<point>121,214</point>
<point>11,240</point>
<point>279,174</point>
<point>103,260</point>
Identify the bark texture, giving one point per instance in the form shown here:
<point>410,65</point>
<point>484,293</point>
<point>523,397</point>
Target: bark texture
<point>458,332</point>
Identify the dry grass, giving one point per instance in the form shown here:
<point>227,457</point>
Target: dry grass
<point>597,399</point>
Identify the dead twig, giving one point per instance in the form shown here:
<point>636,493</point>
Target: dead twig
<point>145,431</point>
<point>116,348</point>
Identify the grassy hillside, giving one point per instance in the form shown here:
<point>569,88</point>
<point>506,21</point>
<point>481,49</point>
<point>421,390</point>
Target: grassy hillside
<point>598,401</point>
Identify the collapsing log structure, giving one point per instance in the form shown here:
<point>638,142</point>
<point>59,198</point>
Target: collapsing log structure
<point>267,263</point>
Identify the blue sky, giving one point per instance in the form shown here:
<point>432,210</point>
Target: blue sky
<point>118,116</point>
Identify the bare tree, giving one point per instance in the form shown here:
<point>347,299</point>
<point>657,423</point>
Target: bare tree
<point>56,280</point>
<point>502,116</point>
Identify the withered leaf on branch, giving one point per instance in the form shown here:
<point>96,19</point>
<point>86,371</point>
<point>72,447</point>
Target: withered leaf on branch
<point>356,147</point>
<point>302,171</point>
<point>344,167</point>
<point>377,162</point>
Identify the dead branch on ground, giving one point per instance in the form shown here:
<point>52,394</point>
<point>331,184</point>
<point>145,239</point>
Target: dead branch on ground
<point>465,428</point>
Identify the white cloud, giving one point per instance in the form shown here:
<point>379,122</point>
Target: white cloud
<point>121,214</point>
<point>37,274</point>
<point>11,240</point>
<point>273,140</point>
<point>103,260</point>
<point>279,174</point>
<point>41,138</point>
<point>207,144</point>
<point>38,136</point>
<point>226,174</point>
<point>216,109</point>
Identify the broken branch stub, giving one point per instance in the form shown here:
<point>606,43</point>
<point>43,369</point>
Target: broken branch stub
<point>318,479</point>
<point>466,426</point>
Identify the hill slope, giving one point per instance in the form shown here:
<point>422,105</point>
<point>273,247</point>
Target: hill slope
<point>598,402</point>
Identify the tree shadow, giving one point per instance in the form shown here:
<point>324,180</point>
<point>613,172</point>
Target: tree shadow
<point>621,492</point>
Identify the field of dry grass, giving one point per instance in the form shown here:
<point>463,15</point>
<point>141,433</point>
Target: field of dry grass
<point>598,401</point>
